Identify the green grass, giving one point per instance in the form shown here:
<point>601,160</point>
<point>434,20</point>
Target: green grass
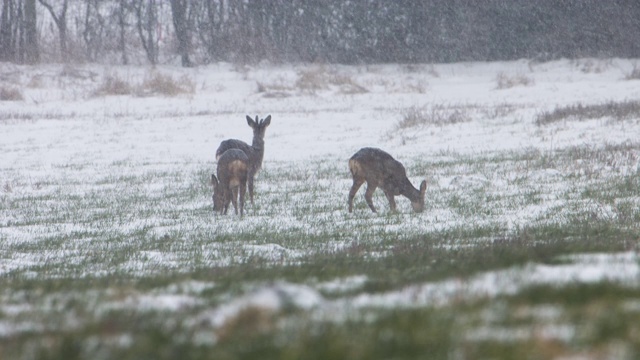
<point>596,313</point>
<point>93,248</point>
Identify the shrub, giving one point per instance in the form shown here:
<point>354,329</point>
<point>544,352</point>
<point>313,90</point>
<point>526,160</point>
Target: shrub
<point>113,85</point>
<point>505,82</point>
<point>158,83</point>
<point>319,78</point>
<point>437,115</point>
<point>10,94</point>
<point>593,66</point>
<point>273,90</point>
<point>154,83</point>
<point>634,74</point>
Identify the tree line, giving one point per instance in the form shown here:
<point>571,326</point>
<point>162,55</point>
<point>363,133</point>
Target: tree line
<point>337,31</point>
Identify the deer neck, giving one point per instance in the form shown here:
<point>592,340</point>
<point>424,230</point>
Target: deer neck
<point>258,147</point>
<point>409,191</point>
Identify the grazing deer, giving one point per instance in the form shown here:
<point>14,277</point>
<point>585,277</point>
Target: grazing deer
<point>378,168</point>
<point>231,182</point>
<point>255,151</point>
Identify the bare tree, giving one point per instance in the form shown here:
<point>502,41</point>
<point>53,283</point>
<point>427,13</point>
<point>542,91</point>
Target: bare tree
<point>94,28</point>
<point>31,48</point>
<point>335,31</point>
<point>7,41</point>
<point>210,28</point>
<point>18,34</point>
<point>147,24</point>
<point>122,26</point>
<point>179,10</point>
<point>60,19</point>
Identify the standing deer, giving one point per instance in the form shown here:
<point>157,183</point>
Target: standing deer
<point>255,152</point>
<point>378,168</point>
<point>231,182</point>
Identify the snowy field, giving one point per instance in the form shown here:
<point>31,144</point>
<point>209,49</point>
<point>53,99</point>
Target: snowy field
<point>109,246</point>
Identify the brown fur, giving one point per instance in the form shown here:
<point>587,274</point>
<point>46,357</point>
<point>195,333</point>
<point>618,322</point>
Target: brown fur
<point>231,184</point>
<point>255,151</point>
<point>379,169</point>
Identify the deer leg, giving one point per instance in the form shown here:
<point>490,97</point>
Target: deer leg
<point>357,182</point>
<point>371,187</point>
<point>226,201</point>
<point>392,200</point>
<point>234,199</point>
<point>251,189</point>
<point>243,190</point>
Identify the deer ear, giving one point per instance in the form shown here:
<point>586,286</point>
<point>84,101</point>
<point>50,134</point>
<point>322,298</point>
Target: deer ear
<point>423,187</point>
<point>250,121</point>
<point>214,181</point>
<point>266,121</point>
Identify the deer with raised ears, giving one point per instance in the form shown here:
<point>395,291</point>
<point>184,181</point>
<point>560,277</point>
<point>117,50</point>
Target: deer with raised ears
<point>231,183</point>
<point>255,151</point>
<point>380,169</point>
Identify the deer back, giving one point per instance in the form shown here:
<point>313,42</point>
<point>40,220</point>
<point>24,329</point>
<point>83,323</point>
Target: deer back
<point>234,144</point>
<point>378,167</point>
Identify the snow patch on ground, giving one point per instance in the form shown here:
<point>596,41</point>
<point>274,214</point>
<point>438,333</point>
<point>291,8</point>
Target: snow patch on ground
<point>588,268</point>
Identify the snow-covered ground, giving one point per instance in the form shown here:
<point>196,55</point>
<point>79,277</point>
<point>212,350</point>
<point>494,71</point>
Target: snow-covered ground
<point>61,116</point>
<point>64,142</point>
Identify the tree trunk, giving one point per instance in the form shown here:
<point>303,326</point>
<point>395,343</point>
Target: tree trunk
<point>179,12</point>
<point>147,21</point>
<point>31,48</point>
<point>122,28</point>
<point>61,22</point>
<point>7,50</point>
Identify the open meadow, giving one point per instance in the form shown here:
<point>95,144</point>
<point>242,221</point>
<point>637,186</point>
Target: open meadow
<point>528,247</point>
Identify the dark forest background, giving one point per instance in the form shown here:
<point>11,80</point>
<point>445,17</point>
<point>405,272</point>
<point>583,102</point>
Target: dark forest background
<point>193,32</point>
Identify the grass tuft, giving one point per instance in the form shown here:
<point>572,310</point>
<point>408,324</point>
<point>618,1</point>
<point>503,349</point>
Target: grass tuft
<point>320,78</point>
<point>163,84</point>
<point>634,74</point>
<point>615,110</point>
<point>9,93</point>
<point>113,85</point>
<point>504,81</point>
<point>438,115</point>
<point>154,83</point>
